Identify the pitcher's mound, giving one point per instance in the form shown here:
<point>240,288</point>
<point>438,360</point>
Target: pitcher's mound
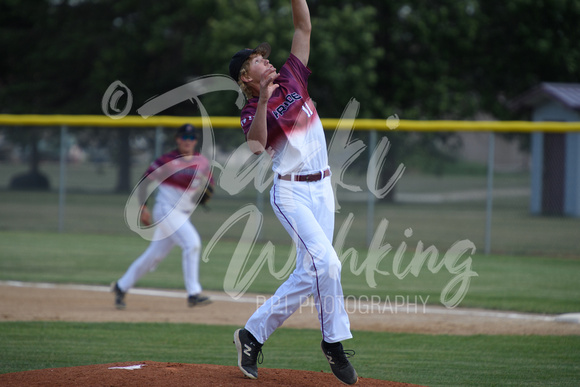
<point>155,374</point>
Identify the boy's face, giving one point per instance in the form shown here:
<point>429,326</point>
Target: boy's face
<point>258,65</point>
<point>186,145</point>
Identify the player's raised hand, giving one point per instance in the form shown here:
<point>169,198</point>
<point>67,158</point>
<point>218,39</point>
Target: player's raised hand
<point>267,85</point>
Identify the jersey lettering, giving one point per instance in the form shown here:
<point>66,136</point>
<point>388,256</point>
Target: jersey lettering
<point>250,118</point>
<point>288,100</point>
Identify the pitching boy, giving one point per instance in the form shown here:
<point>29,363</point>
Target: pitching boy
<point>280,118</point>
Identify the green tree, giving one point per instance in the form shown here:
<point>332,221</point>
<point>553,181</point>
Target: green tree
<point>421,60</point>
<point>523,43</point>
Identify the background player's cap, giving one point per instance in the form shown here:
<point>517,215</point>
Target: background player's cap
<point>187,129</point>
<point>241,56</point>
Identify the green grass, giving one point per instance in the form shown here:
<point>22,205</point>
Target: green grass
<point>514,231</point>
<point>533,268</point>
<point>528,284</point>
<point>422,359</point>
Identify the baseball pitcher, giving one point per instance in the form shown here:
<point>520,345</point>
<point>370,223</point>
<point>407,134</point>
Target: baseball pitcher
<point>281,119</point>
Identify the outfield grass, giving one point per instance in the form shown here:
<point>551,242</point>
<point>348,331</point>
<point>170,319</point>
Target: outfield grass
<point>527,284</point>
<point>513,230</point>
<point>533,268</point>
<point>421,359</point>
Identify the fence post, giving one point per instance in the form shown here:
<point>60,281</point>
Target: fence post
<point>158,142</point>
<point>370,196</point>
<point>489,195</point>
<point>62,178</point>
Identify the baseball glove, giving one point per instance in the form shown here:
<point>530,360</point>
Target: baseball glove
<point>145,216</point>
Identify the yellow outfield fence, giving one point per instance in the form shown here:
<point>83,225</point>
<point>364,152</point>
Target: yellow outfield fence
<point>328,123</point>
<point>463,202</point>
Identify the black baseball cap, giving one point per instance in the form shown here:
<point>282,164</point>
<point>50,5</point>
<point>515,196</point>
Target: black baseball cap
<point>187,129</point>
<point>241,56</point>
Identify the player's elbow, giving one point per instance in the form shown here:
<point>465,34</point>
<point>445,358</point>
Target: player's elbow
<point>304,28</point>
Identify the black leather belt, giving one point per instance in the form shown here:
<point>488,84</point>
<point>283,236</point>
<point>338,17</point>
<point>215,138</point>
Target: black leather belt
<point>308,178</point>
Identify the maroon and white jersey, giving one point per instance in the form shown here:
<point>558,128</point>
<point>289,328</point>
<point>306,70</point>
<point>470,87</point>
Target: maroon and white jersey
<point>181,178</point>
<point>296,138</point>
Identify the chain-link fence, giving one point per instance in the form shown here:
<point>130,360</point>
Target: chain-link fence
<point>78,180</point>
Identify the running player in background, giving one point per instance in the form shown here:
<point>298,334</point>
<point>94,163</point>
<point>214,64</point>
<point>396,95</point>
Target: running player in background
<point>280,118</point>
<point>187,175</point>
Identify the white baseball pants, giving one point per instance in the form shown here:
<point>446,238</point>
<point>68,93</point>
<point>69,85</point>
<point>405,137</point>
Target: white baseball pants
<point>306,210</point>
<point>185,236</point>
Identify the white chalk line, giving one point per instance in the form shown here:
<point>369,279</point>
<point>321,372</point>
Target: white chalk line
<point>105,289</point>
<point>381,308</point>
<point>129,368</point>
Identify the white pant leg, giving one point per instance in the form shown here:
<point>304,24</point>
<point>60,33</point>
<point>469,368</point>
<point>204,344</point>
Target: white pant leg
<point>179,229</point>
<point>189,240</point>
<point>335,321</point>
<point>304,211</point>
<point>176,229</point>
<point>146,262</point>
<point>272,314</point>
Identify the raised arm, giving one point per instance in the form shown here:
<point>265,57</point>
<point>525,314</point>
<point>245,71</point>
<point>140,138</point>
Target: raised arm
<point>302,29</point>
<point>257,136</point>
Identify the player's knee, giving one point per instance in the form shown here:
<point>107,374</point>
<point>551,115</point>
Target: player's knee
<point>330,267</point>
<point>334,266</point>
<point>192,250</point>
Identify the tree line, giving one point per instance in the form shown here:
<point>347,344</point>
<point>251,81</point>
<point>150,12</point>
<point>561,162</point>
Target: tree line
<point>422,60</point>
<point>430,59</point>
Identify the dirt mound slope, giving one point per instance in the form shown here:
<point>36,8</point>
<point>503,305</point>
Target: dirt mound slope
<point>156,374</point>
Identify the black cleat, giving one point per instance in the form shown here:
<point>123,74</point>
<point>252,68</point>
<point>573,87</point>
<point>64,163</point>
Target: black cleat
<point>339,364</point>
<point>249,353</point>
<point>119,296</point>
<point>197,300</point>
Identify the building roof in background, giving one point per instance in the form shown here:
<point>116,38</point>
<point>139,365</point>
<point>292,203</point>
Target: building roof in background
<point>566,93</point>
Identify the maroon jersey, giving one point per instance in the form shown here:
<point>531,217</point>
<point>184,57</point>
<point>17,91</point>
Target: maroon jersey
<point>181,178</point>
<point>296,139</point>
